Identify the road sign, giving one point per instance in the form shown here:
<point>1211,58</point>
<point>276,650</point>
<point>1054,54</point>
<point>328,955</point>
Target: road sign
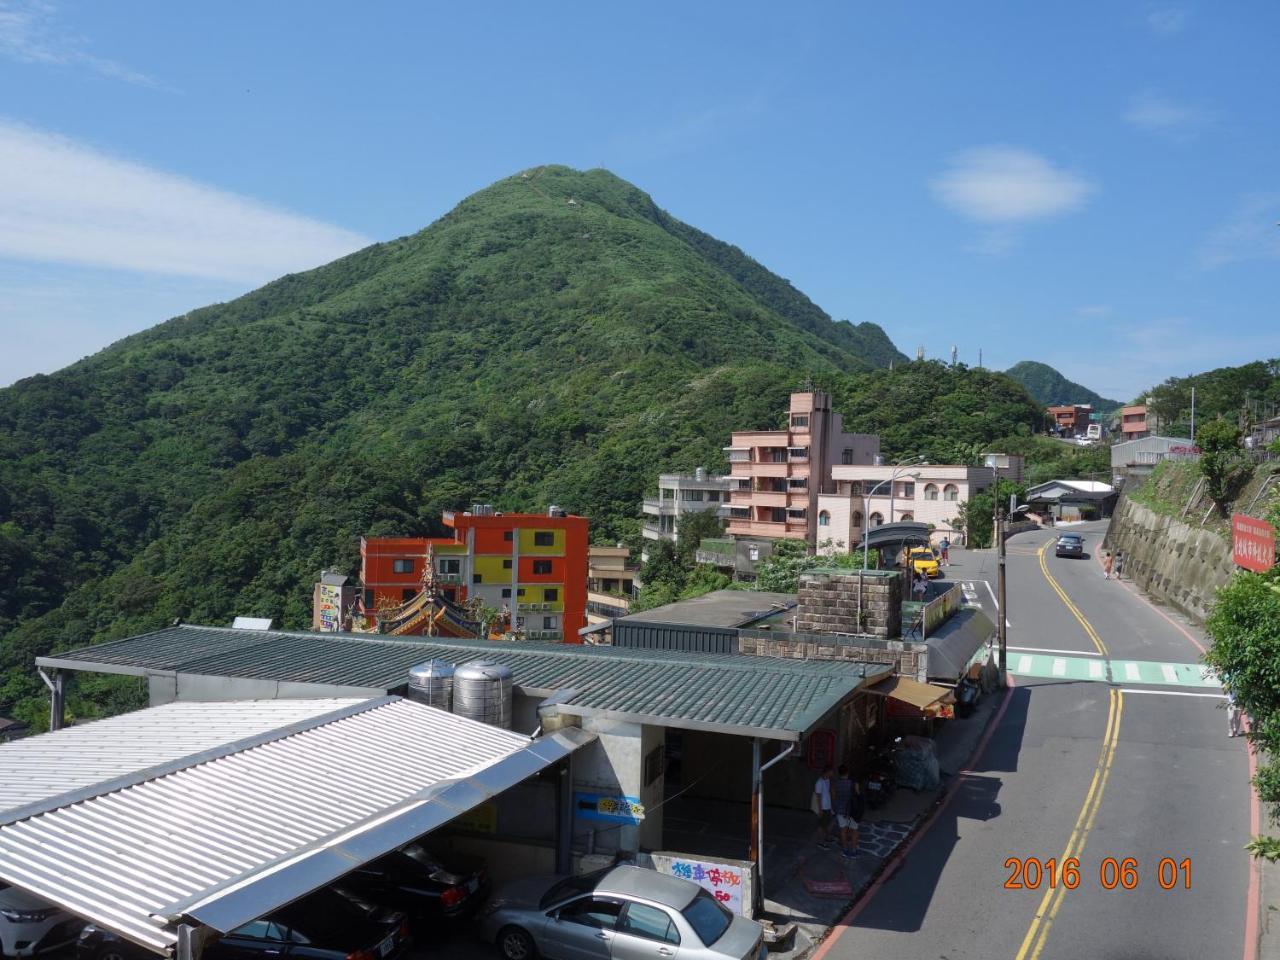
<point>1253,543</point>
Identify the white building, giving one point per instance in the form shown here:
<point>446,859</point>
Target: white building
<point>865,494</point>
<point>680,494</point>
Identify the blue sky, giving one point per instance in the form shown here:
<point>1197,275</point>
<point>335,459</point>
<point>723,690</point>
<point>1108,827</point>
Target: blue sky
<point>1094,185</point>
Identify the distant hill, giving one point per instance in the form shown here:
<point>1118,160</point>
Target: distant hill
<point>555,338</point>
<point>1048,387</point>
<point>1225,392</point>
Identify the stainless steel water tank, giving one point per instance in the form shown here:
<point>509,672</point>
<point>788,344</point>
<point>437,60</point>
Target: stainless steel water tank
<point>432,683</point>
<point>482,691</point>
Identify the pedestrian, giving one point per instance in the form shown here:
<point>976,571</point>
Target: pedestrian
<point>945,546</point>
<point>1234,716</point>
<point>919,584</point>
<point>820,804</point>
<point>848,805</point>
<point>1106,566</point>
<point>1119,563</point>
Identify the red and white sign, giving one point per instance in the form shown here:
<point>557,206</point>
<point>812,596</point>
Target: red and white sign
<point>1253,543</point>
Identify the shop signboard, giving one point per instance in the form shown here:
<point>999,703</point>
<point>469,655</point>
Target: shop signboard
<point>611,808</point>
<point>1253,543</point>
<point>722,881</point>
<point>330,608</point>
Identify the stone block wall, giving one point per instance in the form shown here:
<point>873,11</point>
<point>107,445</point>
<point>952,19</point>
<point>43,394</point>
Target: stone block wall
<point>832,601</point>
<point>907,657</point>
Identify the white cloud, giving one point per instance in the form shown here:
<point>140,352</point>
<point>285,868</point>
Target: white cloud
<point>1252,232</point>
<point>1005,186</point>
<point>1155,113</point>
<point>67,203</point>
<point>30,33</point>
<point>1167,20</point>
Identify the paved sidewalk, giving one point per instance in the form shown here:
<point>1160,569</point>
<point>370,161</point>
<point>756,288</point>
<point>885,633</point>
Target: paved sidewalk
<point>823,885</point>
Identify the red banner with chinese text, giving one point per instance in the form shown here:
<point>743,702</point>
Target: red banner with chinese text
<point>1253,543</point>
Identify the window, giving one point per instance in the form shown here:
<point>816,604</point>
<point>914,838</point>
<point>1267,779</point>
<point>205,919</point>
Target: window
<point>909,490</point>
<point>824,518</point>
<point>519,591</point>
<point>544,538</point>
<point>260,930</point>
<point>846,456</point>
<point>506,564</point>
<point>407,594</point>
<point>907,516</point>
<point>642,920</point>
<point>798,483</point>
<point>778,514</point>
<point>708,917</point>
<point>693,496</point>
<point>799,419</point>
<point>508,535</point>
<point>506,593</point>
<point>368,599</point>
<point>713,496</point>
<point>857,519</point>
<point>668,493</point>
<point>931,491</point>
<point>549,623</point>
<point>951,492</point>
<point>876,519</point>
<point>476,578</point>
<point>450,566</point>
<point>541,566</point>
<point>592,912</point>
<point>551,594</point>
<point>402,566</point>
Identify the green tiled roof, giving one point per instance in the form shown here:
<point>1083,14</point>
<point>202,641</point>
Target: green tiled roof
<point>757,696</point>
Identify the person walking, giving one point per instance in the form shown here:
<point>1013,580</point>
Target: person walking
<point>820,803</point>
<point>945,547</point>
<point>1119,566</point>
<point>848,804</point>
<point>1106,567</point>
<point>1234,715</point>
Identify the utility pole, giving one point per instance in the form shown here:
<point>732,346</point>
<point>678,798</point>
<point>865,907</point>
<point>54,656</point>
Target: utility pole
<point>1193,416</point>
<point>1001,621</point>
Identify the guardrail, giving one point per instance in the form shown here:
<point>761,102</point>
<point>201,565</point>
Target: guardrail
<point>937,610</point>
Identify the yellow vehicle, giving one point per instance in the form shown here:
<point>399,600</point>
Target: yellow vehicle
<point>923,560</point>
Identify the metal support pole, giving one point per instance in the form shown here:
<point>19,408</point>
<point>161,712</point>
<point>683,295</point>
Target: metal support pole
<point>1001,621</point>
<point>756,844</point>
<point>564,817</point>
<point>57,697</point>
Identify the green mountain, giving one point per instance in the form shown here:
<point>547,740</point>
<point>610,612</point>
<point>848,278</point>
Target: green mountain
<point>1252,389</point>
<point>555,338</point>
<point>1048,387</point>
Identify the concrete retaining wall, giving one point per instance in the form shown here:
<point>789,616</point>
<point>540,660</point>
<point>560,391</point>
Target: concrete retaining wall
<point>1177,562</point>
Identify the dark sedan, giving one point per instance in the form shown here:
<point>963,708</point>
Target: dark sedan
<point>1070,545</point>
<point>322,926</point>
<point>422,883</point>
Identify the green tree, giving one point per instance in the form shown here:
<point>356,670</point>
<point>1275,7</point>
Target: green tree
<point>780,571</point>
<point>694,528</point>
<point>977,516</point>
<point>1219,442</point>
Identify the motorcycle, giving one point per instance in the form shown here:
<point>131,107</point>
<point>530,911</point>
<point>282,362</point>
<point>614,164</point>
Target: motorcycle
<point>881,775</point>
<point>967,695</point>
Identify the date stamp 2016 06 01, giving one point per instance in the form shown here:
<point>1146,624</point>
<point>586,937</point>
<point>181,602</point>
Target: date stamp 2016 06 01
<point>1031,873</point>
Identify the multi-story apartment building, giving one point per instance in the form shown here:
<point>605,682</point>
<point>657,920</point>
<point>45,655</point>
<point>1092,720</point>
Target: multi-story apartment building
<point>1133,422</point>
<point>532,565</point>
<point>611,583</point>
<point>866,496</point>
<point>778,475</point>
<point>1070,419</point>
<point>680,494</point>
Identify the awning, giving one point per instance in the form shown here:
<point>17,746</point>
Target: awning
<point>922,696</point>
<point>215,813</point>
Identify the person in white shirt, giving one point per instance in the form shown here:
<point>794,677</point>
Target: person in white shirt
<point>821,805</point>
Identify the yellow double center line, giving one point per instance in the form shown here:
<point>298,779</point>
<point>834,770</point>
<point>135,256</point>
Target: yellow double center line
<point>1062,595</point>
<point>1033,943</point>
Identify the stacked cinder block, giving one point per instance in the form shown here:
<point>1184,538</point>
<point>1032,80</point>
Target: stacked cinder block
<point>829,603</point>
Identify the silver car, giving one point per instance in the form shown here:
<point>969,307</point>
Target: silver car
<point>622,913</point>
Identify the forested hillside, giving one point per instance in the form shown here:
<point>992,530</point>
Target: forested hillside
<point>556,338</point>
<point>1049,387</point>
<point>1252,389</point>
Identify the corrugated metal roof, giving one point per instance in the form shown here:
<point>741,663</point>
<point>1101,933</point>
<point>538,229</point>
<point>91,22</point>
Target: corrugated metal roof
<point>758,696</point>
<point>101,751</point>
<point>223,840</point>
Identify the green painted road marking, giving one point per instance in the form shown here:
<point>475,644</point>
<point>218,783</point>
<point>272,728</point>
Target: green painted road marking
<point>1122,671</point>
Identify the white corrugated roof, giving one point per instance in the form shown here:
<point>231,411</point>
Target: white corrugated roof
<point>105,749</point>
<point>1089,486</point>
<point>232,833</point>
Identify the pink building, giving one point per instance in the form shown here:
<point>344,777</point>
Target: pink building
<point>778,475</point>
<point>935,497</point>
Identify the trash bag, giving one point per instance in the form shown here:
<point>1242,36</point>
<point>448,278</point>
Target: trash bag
<point>917,764</point>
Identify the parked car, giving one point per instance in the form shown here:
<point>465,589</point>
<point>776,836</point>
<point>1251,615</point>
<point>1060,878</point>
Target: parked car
<point>29,925</point>
<point>324,925</point>
<point>622,911</point>
<point>923,560</point>
<point>1069,545</point>
<point>422,883</point>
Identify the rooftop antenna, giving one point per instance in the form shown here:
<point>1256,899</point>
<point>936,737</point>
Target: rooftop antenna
<point>955,351</point>
<point>920,352</point>
<point>979,358</point>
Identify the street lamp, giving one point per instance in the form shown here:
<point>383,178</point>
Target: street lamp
<point>866,501</point>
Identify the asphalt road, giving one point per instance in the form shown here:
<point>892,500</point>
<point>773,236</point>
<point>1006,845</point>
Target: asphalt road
<point>1093,769</point>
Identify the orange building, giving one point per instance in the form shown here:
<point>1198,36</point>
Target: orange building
<point>530,564</point>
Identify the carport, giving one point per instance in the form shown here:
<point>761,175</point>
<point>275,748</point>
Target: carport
<point>174,824</point>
